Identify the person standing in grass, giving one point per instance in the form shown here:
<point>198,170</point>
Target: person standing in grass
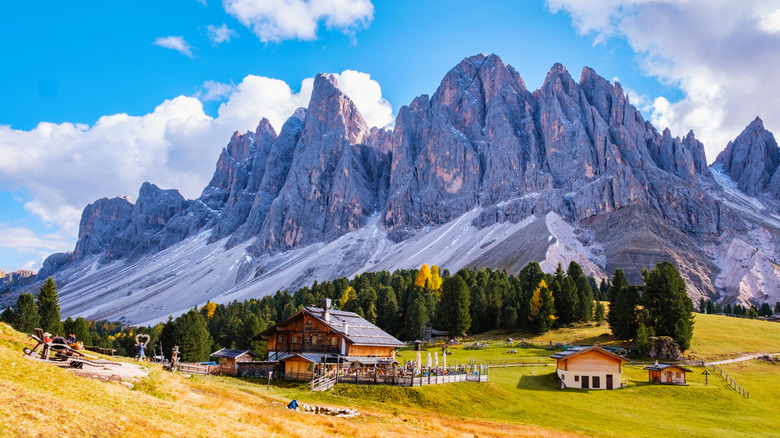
<point>141,347</point>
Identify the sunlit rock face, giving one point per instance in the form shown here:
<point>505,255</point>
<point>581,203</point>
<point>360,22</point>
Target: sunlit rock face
<point>485,171</point>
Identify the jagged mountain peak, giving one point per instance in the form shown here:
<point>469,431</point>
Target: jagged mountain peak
<point>752,160</point>
<point>482,154</point>
<point>330,110</point>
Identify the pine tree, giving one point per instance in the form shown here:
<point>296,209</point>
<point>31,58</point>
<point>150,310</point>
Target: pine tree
<point>511,319</point>
<point>683,332</point>
<point>666,302</point>
<point>454,307</point>
<point>585,298</point>
<point>390,318</point>
<point>251,327</point>
<point>416,316</point>
<point>567,300</point>
<point>192,337</point>
<point>702,305</point>
<point>622,317</point>
<point>49,307</point>
<point>8,316</point>
<point>643,335</point>
<point>599,313</point>
<point>604,287</point>
<point>81,331</point>
<point>727,310</point>
<point>619,281</point>
<point>710,307</point>
<point>777,307</point>
<point>28,317</point>
<point>765,310</point>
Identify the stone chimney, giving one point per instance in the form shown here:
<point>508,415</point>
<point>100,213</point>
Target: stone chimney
<point>326,309</point>
<point>346,329</point>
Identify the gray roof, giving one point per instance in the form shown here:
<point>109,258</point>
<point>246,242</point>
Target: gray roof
<point>577,350</point>
<point>663,366</point>
<point>354,328</point>
<point>227,352</point>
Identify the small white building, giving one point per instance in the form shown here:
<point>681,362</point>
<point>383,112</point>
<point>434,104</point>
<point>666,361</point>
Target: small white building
<point>589,368</point>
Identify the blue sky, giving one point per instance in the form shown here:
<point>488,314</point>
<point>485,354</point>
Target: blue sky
<point>98,97</point>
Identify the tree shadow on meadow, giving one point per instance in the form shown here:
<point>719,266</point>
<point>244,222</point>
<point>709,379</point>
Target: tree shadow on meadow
<point>539,382</point>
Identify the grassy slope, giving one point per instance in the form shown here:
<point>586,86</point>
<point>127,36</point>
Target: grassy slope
<point>38,399</point>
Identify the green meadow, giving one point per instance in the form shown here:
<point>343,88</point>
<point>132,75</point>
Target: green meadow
<point>517,401</point>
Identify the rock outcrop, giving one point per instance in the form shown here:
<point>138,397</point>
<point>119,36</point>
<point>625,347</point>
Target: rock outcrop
<point>100,223</point>
<point>149,216</point>
<point>752,160</point>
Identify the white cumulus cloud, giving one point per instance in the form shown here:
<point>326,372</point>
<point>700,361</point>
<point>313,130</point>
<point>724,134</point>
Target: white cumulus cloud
<point>722,54</point>
<point>277,20</point>
<point>221,34</point>
<point>65,166</point>
<point>176,43</point>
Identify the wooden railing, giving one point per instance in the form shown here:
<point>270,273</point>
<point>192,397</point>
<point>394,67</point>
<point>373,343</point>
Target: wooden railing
<point>732,384</point>
<point>323,383</point>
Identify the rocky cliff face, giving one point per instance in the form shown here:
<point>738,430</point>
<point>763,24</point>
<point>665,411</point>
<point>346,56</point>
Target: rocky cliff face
<point>752,160</point>
<point>482,149</point>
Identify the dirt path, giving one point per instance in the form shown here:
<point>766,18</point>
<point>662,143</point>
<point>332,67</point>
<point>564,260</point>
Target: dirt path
<point>742,358</point>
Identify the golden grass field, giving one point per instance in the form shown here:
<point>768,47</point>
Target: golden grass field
<point>38,399</point>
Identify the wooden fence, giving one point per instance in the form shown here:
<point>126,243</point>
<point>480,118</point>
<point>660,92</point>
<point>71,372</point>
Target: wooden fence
<point>101,350</point>
<point>720,373</point>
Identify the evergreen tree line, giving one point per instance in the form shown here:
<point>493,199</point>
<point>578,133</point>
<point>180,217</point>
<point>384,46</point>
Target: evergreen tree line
<point>36,311</point>
<point>659,307</point>
<point>470,301</point>
<point>707,306</point>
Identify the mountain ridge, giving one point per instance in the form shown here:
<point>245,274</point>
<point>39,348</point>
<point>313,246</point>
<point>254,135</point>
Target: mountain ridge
<point>481,147</point>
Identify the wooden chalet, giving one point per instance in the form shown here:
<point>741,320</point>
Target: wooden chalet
<point>589,368</point>
<point>229,359</point>
<point>667,374</point>
<point>321,341</point>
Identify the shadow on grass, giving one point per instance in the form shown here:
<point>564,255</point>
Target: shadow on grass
<point>541,382</point>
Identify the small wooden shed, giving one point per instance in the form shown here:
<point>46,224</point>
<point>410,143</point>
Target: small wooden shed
<point>229,358</point>
<point>667,374</point>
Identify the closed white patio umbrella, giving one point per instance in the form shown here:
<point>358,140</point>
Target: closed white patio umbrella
<point>436,359</point>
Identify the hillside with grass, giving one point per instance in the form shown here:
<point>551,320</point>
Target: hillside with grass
<point>38,399</point>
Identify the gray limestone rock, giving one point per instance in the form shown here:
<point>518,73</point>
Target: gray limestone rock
<point>752,159</point>
<point>329,189</point>
<point>150,215</point>
<point>100,223</point>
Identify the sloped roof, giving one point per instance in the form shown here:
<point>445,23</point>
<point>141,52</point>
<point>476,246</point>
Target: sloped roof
<point>358,330</point>
<point>232,354</point>
<point>576,351</point>
<point>663,366</point>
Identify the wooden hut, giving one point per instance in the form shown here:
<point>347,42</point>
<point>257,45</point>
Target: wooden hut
<point>667,374</point>
<point>321,340</point>
<point>589,368</point>
<point>228,359</point>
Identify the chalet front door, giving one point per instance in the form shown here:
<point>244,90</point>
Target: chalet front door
<point>609,381</point>
<point>585,382</point>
